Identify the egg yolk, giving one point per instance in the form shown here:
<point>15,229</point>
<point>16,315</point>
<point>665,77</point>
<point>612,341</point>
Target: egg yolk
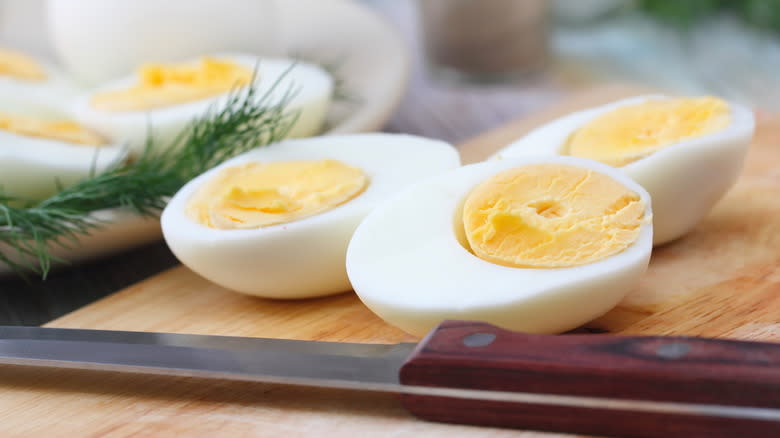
<point>60,130</point>
<point>550,216</point>
<point>20,66</point>
<point>162,85</point>
<point>633,132</point>
<point>255,195</point>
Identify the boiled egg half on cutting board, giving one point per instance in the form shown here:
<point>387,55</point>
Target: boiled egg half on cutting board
<point>42,150</point>
<point>534,244</point>
<point>275,221</point>
<point>685,151</point>
<point>161,100</point>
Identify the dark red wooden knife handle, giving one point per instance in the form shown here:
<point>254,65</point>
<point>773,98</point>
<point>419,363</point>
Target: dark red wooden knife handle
<point>470,355</point>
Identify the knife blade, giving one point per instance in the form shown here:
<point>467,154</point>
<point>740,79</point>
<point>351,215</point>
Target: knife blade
<point>471,373</point>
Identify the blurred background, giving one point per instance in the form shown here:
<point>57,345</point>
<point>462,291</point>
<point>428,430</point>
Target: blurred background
<point>514,56</point>
<point>722,47</point>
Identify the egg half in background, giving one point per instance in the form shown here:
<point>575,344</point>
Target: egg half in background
<point>27,78</point>
<point>308,195</point>
<point>685,176</point>
<point>102,40</point>
<point>41,150</point>
<point>162,99</point>
<point>534,244</point>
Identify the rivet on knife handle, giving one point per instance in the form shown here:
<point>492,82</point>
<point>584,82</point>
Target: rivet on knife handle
<point>642,372</point>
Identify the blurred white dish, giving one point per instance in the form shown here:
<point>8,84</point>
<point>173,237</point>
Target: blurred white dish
<point>372,64</point>
<point>103,40</point>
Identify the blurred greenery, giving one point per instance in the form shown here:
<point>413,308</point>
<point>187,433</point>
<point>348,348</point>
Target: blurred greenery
<point>760,13</point>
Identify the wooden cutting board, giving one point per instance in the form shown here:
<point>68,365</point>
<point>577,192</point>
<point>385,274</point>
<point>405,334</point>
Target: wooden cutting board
<point>721,280</point>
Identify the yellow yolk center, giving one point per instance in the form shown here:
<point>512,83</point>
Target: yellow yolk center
<point>162,85</point>
<point>20,66</point>
<point>633,132</point>
<point>551,216</point>
<point>255,195</point>
<point>60,130</point>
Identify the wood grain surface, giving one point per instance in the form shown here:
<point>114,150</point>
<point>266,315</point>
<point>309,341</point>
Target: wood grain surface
<point>722,280</point>
<point>678,369</point>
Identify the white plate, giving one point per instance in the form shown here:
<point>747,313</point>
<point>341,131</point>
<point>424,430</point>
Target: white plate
<point>373,65</point>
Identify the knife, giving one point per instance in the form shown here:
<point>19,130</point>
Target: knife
<point>471,373</point>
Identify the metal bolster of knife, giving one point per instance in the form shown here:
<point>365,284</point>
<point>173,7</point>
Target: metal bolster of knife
<point>595,384</point>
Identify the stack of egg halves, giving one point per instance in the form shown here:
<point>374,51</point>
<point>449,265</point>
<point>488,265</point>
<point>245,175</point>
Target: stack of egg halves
<point>550,233</point>
<point>134,71</point>
<point>557,227</point>
<point>54,134</point>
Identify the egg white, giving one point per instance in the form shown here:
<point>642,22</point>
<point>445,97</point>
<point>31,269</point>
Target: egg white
<point>56,90</point>
<point>685,180</point>
<point>36,168</point>
<point>303,258</point>
<point>311,86</point>
<point>407,264</point>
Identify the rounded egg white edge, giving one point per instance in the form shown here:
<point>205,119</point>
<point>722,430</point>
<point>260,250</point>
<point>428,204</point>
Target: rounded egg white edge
<point>690,177</point>
<point>35,167</point>
<point>296,255</point>
<point>58,89</point>
<point>133,126</point>
<point>722,153</point>
<point>443,267</point>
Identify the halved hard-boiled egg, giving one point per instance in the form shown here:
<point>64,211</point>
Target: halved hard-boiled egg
<point>535,244</point>
<point>162,99</point>
<point>41,150</point>
<point>275,222</point>
<point>23,77</point>
<point>686,152</point>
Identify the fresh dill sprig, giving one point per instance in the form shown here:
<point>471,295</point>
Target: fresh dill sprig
<point>249,119</point>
